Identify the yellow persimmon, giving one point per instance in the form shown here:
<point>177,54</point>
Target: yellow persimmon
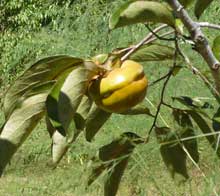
<point>121,88</point>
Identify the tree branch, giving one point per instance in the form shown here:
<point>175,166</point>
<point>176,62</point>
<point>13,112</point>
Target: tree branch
<point>209,25</point>
<point>201,44</point>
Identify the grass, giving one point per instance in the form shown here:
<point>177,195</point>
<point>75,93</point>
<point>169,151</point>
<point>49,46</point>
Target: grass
<point>29,174</point>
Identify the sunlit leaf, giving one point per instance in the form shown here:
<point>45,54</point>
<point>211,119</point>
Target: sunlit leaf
<point>200,7</point>
<point>114,157</point>
<point>133,12</point>
<point>186,3</point>
<point>95,120</point>
<point>19,125</point>
<point>39,73</point>
<point>216,47</point>
<point>153,52</point>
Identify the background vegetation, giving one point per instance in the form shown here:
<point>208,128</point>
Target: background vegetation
<point>30,30</point>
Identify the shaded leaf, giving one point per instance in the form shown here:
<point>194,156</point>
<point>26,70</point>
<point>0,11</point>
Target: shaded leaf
<point>114,157</point>
<point>95,120</point>
<point>61,143</point>
<point>172,153</point>
<point>19,125</point>
<point>204,127</point>
<point>153,52</point>
<point>72,91</point>
<point>39,73</point>
<point>216,121</point>
<point>200,7</point>
<point>185,130</point>
<point>194,104</point>
<point>133,12</point>
<point>216,47</point>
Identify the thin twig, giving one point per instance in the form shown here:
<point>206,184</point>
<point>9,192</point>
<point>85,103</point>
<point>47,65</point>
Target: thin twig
<point>157,36</point>
<point>209,25</point>
<point>201,43</point>
<point>142,42</point>
<point>158,80</point>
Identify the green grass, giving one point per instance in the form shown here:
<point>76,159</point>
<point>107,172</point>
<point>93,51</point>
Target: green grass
<point>29,174</point>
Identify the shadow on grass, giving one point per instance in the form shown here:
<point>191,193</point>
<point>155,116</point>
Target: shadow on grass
<point>7,150</point>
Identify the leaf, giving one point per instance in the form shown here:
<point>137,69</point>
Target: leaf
<point>39,73</point>
<point>71,93</point>
<point>185,130</point>
<point>216,121</point>
<point>153,52</point>
<point>173,155</point>
<point>133,12</point>
<point>19,125</point>
<point>194,104</point>
<point>114,157</point>
<point>186,3</point>
<point>216,47</point>
<point>95,120</point>
<point>200,7</point>
<point>204,127</point>
<point>61,143</point>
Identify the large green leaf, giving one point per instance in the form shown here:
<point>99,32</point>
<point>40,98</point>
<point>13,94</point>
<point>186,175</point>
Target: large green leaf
<point>172,153</point>
<point>114,158</point>
<point>41,72</point>
<point>133,12</point>
<point>95,120</point>
<point>19,125</point>
<point>200,7</point>
<point>153,52</point>
<point>185,130</point>
<point>204,127</point>
<point>216,47</point>
<point>71,93</point>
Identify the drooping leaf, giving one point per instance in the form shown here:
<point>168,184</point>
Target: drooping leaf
<point>204,127</point>
<point>114,157</point>
<point>194,104</point>
<point>153,52</point>
<point>60,142</point>
<point>200,7</point>
<point>216,47</point>
<point>185,130</point>
<point>41,72</point>
<point>172,153</point>
<point>133,12</point>
<point>19,125</point>
<point>216,120</point>
<point>95,120</point>
<point>137,110</point>
<point>72,91</point>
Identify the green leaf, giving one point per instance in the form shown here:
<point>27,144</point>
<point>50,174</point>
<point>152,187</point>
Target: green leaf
<point>114,157</point>
<point>200,7</point>
<point>71,93</point>
<point>41,72</point>
<point>95,120</point>
<point>186,3</point>
<point>185,130</point>
<point>153,52</point>
<point>204,127</point>
<point>194,104</point>
<point>216,121</point>
<point>19,125</point>
<point>133,12</point>
<point>216,47</point>
<point>172,153</point>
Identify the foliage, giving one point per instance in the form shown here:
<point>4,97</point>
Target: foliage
<point>57,86</point>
